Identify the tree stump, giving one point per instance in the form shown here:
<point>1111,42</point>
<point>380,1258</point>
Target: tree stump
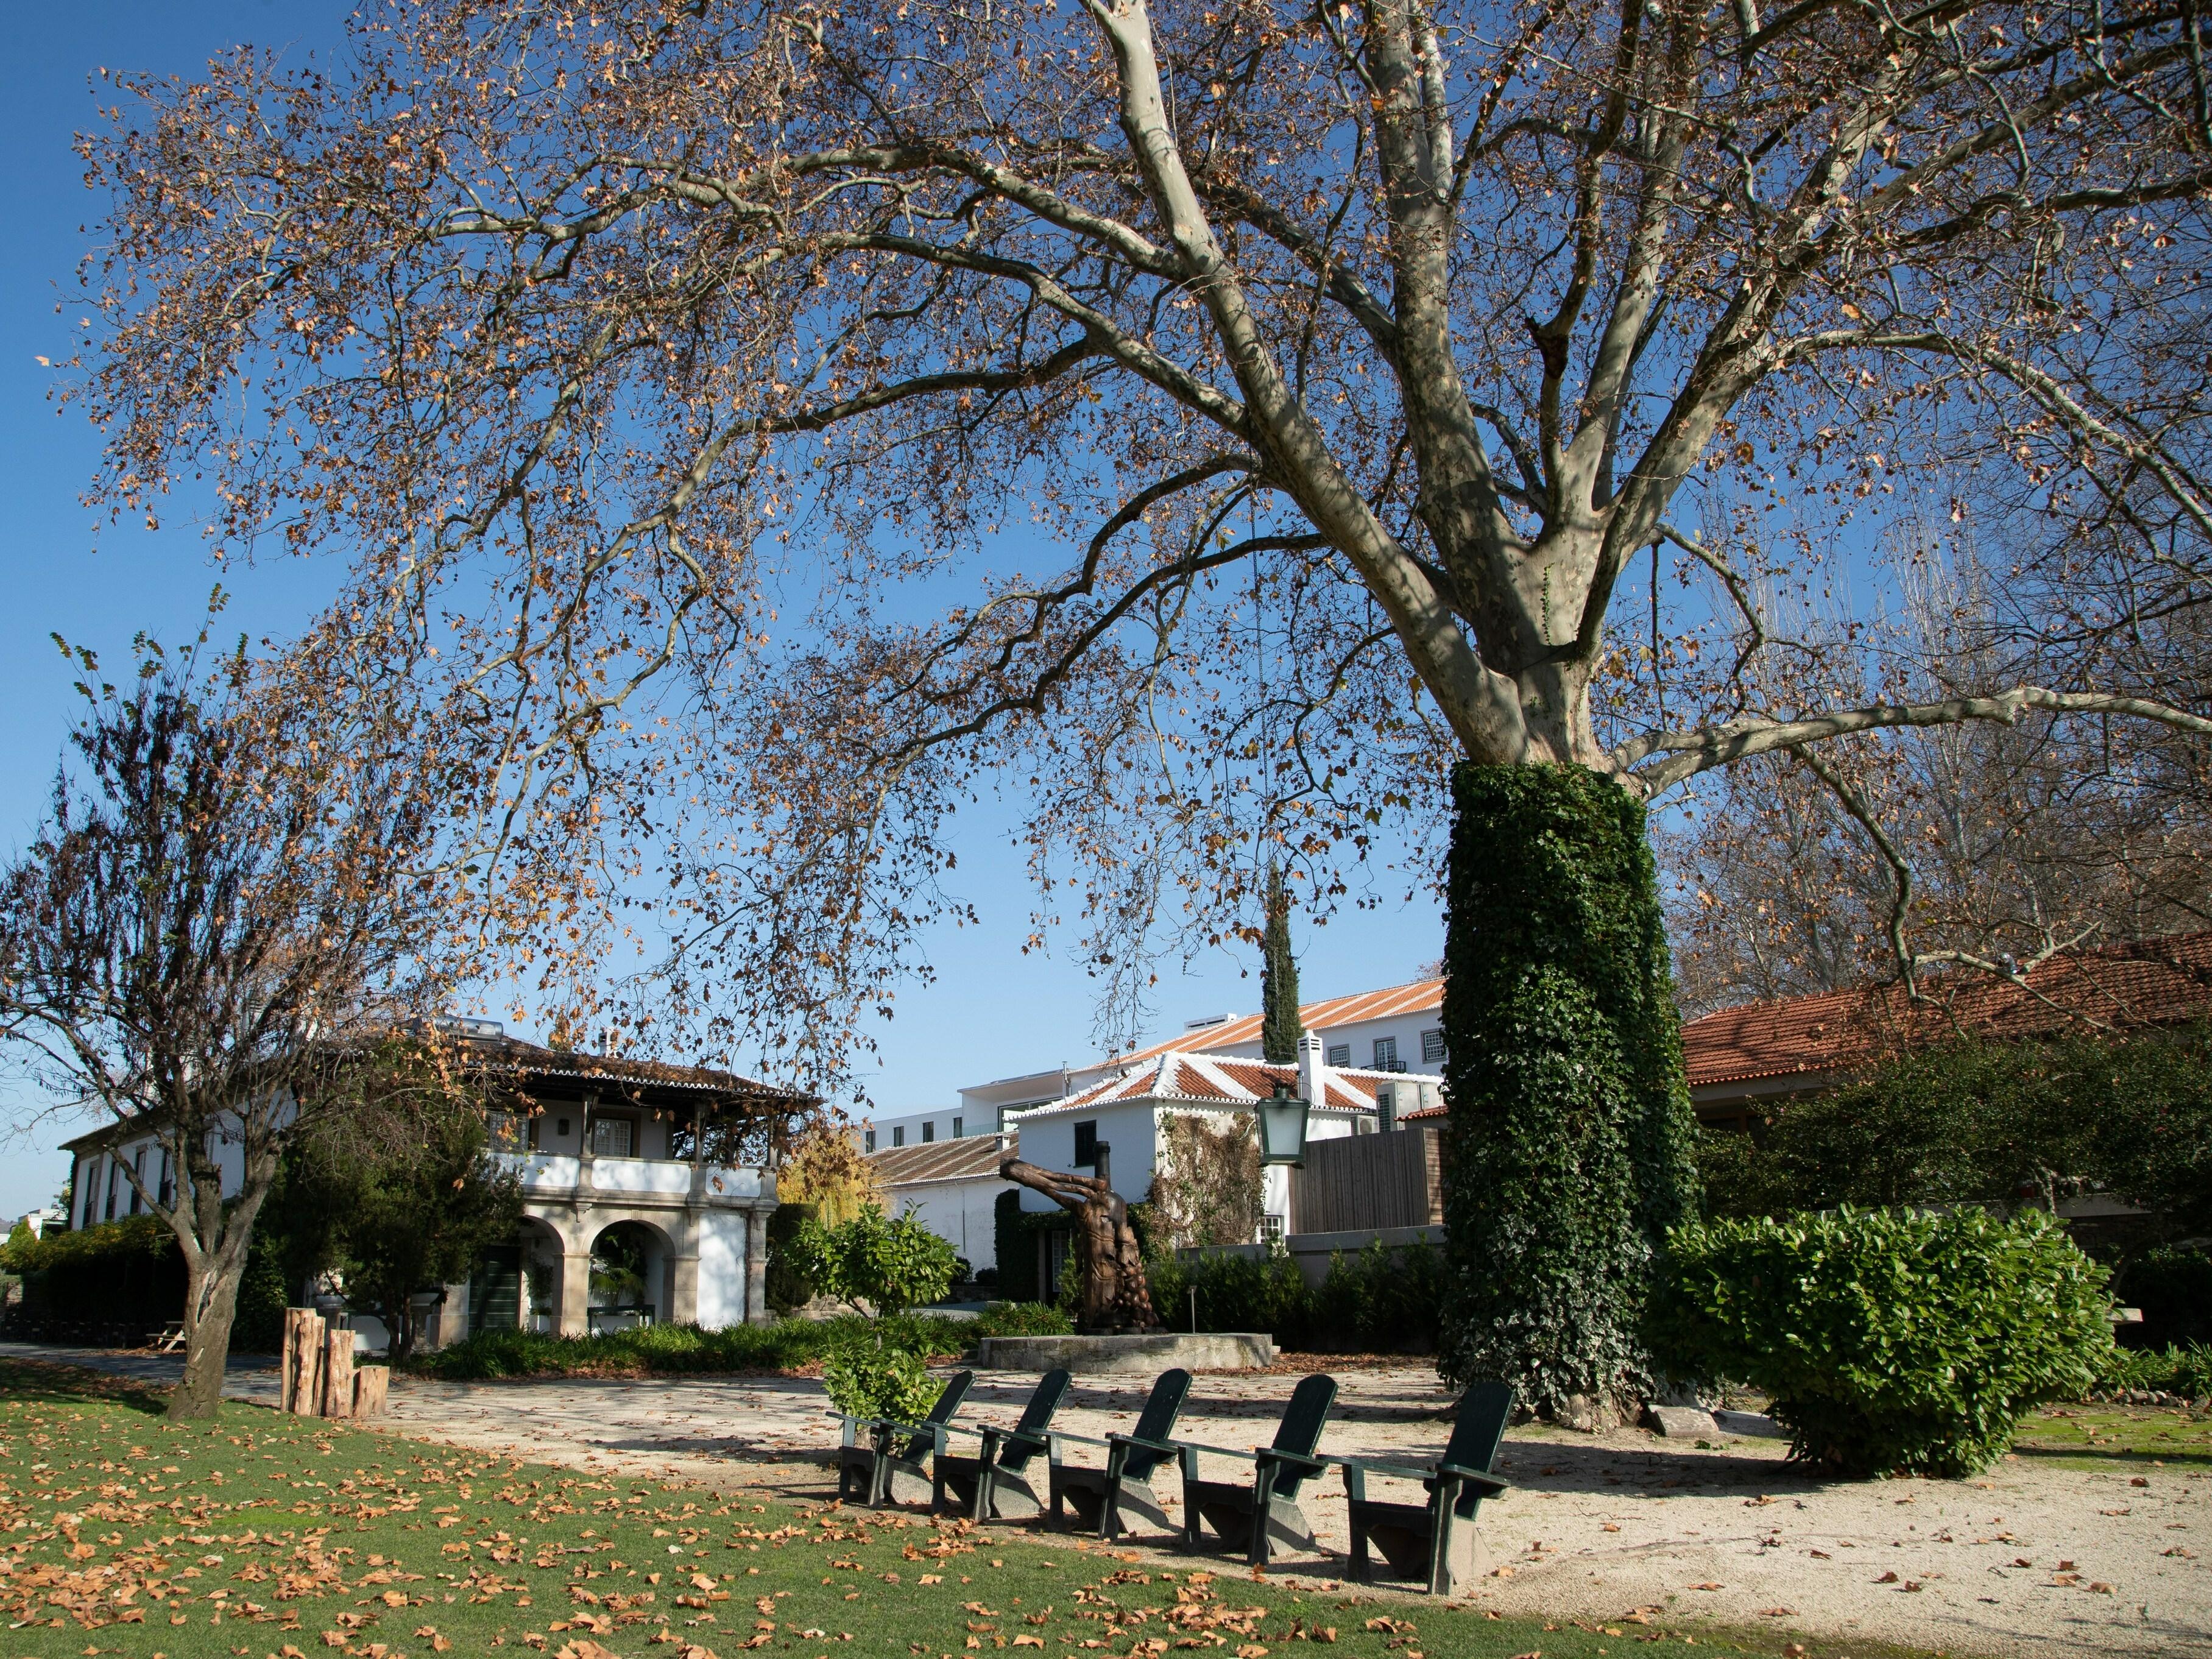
<point>1115,1296</point>
<point>301,1391</point>
<point>369,1384</point>
<point>338,1372</point>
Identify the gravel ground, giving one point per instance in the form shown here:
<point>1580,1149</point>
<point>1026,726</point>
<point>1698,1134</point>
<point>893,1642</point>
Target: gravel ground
<point>2035,1558</point>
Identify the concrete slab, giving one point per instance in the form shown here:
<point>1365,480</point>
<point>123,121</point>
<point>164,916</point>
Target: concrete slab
<point>1681,1422</point>
<point>1213,1351</point>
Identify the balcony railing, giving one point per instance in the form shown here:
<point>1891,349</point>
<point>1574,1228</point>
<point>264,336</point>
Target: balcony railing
<point>549,1175</point>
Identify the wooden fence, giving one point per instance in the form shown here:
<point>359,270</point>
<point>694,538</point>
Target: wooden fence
<point>1361,1183</point>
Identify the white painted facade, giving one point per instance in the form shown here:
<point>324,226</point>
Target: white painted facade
<point>1399,1028</point>
<point>1127,1113</point>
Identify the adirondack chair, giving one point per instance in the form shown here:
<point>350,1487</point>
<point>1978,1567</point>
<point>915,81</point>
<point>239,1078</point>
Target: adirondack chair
<point>994,1485</point>
<point>870,1459</point>
<point>1099,1496</point>
<point>1252,1518</point>
<point>1437,1539</point>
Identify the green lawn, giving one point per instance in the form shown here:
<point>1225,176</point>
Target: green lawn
<point>2101,1435</point>
<point>273,1536</point>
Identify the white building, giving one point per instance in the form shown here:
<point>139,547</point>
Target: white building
<point>1127,1112</point>
<point>1398,1029</point>
<point>647,1189</point>
<point>951,1187</point>
<point>880,1133</point>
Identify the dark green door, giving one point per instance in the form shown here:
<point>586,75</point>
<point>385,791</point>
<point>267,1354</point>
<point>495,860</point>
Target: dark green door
<point>495,1289</point>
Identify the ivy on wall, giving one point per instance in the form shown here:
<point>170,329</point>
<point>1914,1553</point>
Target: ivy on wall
<point>1016,1231</point>
<point>1567,1149</point>
<point>1206,1184</point>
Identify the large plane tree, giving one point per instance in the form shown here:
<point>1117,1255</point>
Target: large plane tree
<point>1249,430</point>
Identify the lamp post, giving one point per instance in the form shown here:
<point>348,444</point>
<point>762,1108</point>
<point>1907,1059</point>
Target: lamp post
<point>1283,1127</point>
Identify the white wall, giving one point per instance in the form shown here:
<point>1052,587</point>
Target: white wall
<point>963,1213</point>
<point>944,1123</point>
<point>93,1177</point>
<point>721,1268</point>
<point>1050,1142</point>
<point>1360,1036</point>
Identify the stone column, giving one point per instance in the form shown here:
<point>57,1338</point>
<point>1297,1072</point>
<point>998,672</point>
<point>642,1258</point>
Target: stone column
<point>756,1308</point>
<point>682,1307</point>
<point>575,1318</point>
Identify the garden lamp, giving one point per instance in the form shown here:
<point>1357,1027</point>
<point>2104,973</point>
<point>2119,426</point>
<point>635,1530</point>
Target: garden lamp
<point>1283,1126</point>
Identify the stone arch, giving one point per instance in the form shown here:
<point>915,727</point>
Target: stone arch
<point>632,1264</point>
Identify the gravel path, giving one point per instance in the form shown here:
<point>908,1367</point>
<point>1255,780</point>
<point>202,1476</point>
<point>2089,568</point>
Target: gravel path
<point>2036,1558</point>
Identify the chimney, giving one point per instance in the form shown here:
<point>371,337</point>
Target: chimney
<point>1313,1074</point>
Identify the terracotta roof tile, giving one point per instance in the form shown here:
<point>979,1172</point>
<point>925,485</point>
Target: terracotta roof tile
<point>972,1157</point>
<point>2153,981</point>
<point>1418,996</point>
<point>1236,1081</point>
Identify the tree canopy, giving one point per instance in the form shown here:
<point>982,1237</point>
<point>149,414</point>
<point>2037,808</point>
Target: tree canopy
<point>747,429</point>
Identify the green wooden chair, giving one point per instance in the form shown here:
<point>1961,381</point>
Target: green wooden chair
<point>1098,1496</point>
<point>1436,1540</point>
<point>1252,1518</point>
<point>994,1485</point>
<point>870,1458</point>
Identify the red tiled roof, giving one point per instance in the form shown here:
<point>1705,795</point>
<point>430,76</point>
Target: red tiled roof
<point>1199,1077</point>
<point>971,1158</point>
<point>1418,997</point>
<point>2149,982</point>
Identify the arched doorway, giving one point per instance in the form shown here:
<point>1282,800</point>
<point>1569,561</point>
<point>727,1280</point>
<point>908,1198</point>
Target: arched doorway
<point>630,1277</point>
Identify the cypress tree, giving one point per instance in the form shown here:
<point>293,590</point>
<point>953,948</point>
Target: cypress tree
<point>1567,1149</point>
<point>1279,1028</point>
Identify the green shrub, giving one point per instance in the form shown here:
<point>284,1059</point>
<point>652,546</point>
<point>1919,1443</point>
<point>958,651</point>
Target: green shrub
<point>126,1273</point>
<point>1888,1341</point>
<point>889,1265</point>
<point>789,1287</point>
<point>866,1378</point>
<point>1023,1319</point>
<point>2183,1371</point>
<point>1379,1301</point>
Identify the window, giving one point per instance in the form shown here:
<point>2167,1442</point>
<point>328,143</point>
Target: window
<point>928,1130</point>
<point>898,1134</point>
<point>507,1132</point>
<point>1386,1105</point>
<point>1086,1144</point>
<point>956,1128</point>
<point>167,1192</point>
<point>114,1172</point>
<point>1270,1228</point>
<point>1386,1053</point>
<point>868,1141</point>
<point>1432,1048</point>
<point>611,1137</point>
<point>138,1167</point>
<point>1340,1053</point>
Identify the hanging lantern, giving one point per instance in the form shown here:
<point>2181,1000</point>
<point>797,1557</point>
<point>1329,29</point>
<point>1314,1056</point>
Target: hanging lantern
<point>1283,1127</point>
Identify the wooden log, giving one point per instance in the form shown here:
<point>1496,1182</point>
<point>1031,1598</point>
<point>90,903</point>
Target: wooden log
<point>302,1391</point>
<point>338,1372</point>
<point>369,1384</point>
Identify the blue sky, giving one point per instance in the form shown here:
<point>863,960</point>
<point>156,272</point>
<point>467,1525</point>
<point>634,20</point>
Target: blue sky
<point>992,1011</point>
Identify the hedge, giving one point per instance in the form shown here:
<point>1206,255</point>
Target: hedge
<point>1888,1341</point>
<point>788,1344</point>
<point>1380,1301</point>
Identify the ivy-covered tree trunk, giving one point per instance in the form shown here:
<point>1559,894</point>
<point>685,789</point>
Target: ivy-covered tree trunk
<point>1567,1149</point>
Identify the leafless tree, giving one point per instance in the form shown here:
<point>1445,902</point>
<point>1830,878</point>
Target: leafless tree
<point>204,945</point>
